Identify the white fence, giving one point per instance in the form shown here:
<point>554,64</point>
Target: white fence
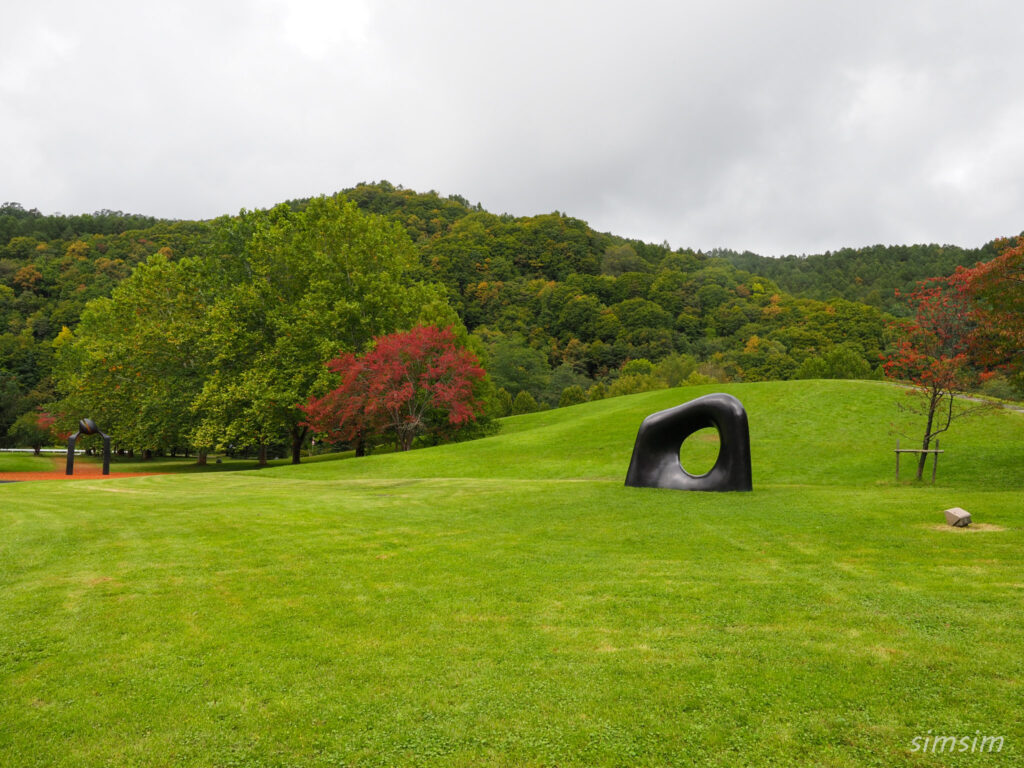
<point>41,450</point>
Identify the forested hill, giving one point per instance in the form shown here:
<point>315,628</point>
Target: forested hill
<point>872,274</point>
<point>549,302</point>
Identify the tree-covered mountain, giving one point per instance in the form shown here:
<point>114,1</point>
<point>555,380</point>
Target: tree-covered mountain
<point>551,305</point>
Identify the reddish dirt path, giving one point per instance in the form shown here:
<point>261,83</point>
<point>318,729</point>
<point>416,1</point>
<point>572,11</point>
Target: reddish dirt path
<point>83,471</point>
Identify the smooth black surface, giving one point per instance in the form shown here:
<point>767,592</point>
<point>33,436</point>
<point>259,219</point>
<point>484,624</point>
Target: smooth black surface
<point>69,466</point>
<point>87,427</point>
<point>655,462</point>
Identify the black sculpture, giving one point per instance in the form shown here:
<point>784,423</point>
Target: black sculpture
<point>87,427</point>
<point>655,462</point>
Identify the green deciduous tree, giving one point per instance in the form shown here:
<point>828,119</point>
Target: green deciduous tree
<point>135,364</point>
<point>222,349</point>
<point>301,286</point>
<point>517,367</point>
<point>33,429</point>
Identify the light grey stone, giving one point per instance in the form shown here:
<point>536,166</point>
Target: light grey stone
<point>957,517</point>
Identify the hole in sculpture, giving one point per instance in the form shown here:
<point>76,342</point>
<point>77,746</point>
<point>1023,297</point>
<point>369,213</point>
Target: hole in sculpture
<point>699,451</point>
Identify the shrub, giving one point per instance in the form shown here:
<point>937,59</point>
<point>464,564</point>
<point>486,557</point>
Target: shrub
<point>572,396</point>
<point>502,403</point>
<point>524,403</point>
<point>638,367</point>
<point>630,385</point>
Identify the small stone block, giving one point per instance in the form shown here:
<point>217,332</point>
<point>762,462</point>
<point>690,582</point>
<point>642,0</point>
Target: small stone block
<point>958,518</point>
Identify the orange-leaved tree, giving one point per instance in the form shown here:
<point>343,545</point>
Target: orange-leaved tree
<point>932,352</point>
<point>968,324</point>
<point>995,292</point>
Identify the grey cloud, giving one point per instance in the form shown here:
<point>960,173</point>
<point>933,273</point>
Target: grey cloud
<point>776,127</point>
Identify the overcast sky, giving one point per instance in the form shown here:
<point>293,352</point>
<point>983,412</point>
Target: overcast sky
<point>778,127</point>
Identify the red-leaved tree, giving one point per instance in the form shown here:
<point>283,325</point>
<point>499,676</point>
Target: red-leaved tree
<point>410,383</point>
<point>932,353</point>
<point>342,413</point>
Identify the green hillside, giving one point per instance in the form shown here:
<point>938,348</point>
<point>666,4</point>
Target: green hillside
<point>822,433</point>
<point>508,601</point>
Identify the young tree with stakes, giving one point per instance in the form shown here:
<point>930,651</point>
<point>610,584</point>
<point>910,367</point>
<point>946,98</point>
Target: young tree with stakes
<point>932,354</point>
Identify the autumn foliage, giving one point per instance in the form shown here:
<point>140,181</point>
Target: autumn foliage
<point>975,316</point>
<point>964,327</point>
<point>410,383</point>
<point>995,290</point>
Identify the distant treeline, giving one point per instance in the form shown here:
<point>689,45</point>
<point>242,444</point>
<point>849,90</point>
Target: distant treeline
<point>15,221</point>
<point>871,275</point>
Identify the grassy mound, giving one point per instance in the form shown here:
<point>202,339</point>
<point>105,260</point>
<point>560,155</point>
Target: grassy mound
<point>820,433</point>
<point>510,602</point>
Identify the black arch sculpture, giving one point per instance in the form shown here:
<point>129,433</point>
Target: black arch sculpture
<point>655,462</point>
<point>87,427</point>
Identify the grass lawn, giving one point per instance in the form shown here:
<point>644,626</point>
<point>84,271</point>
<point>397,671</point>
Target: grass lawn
<point>27,462</point>
<point>509,602</point>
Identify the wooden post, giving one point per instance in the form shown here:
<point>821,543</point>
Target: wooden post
<point>897,461</point>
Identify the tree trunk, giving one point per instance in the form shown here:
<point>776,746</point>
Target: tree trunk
<point>933,405</point>
<point>405,438</point>
<point>263,455</point>
<point>298,435</point>
<point>921,459</point>
<point>147,454</point>
<point>37,449</point>
<point>201,457</point>
<point>131,453</point>
<point>360,446</point>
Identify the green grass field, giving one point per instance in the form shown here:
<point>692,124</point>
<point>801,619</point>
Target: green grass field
<point>509,602</point>
<point>26,462</point>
